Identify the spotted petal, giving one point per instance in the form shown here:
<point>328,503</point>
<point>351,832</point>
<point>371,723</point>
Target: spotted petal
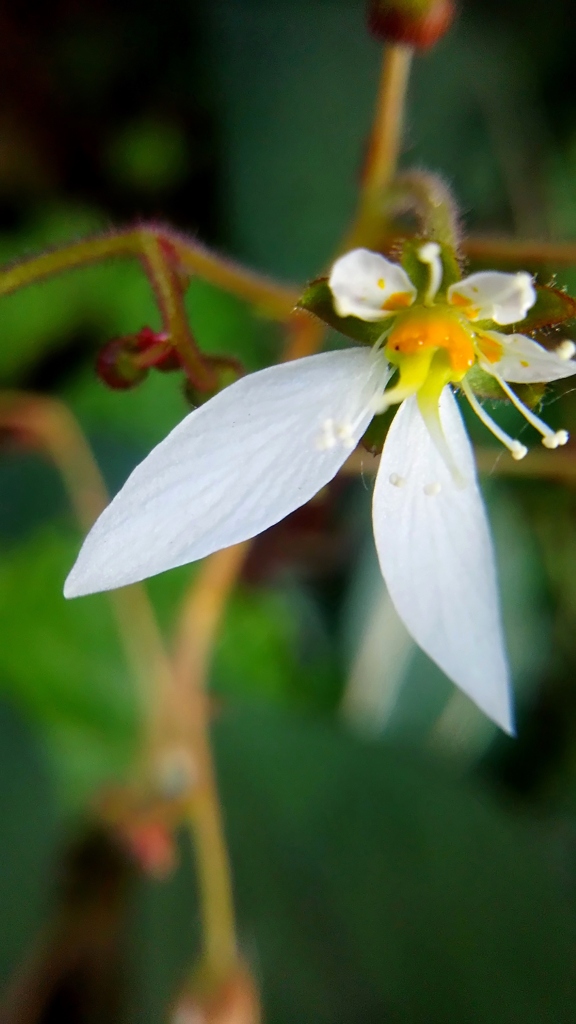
<point>436,556</point>
<point>257,451</point>
<point>519,359</point>
<point>492,295</point>
<point>367,285</point>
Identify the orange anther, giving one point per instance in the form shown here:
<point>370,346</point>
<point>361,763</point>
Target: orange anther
<point>490,348</point>
<point>399,300</point>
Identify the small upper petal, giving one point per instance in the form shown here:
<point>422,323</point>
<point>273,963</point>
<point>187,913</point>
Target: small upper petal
<point>367,285</point>
<point>250,456</point>
<point>522,360</point>
<point>492,295</point>
<point>436,555</point>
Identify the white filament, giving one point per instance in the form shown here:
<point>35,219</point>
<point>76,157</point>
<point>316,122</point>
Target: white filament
<point>550,438</point>
<point>516,449</point>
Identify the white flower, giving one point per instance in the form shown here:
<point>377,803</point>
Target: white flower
<point>265,445</point>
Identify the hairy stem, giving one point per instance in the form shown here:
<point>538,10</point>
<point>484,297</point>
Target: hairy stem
<point>428,197</point>
<point>159,257</point>
<point>193,259</point>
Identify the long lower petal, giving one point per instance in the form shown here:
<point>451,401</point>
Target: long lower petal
<point>436,555</point>
<point>254,453</point>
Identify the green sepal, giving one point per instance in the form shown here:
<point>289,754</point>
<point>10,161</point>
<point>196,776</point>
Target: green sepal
<point>317,299</point>
<point>552,306</point>
<point>419,272</point>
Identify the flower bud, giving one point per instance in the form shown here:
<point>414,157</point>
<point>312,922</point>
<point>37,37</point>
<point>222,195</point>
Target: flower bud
<point>234,1001</point>
<point>117,366</point>
<point>418,23</point>
<point>123,363</point>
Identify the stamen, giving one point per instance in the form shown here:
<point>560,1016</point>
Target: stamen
<point>396,480</point>
<point>431,490</point>
<point>566,349</point>
<point>516,448</point>
<point>327,438</point>
<point>550,438</point>
<point>345,432</point>
<point>430,254</point>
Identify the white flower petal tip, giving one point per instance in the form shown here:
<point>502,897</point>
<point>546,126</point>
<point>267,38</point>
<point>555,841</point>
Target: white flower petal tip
<point>232,468</point>
<point>437,559</point>
<point>524,361</point>
<point>492,295</point>
<point>366,285</point>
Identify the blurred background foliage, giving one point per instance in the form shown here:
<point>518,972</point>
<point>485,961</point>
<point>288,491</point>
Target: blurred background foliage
<point>394,858</point>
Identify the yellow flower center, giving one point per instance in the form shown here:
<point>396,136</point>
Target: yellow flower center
<point>428,330</point>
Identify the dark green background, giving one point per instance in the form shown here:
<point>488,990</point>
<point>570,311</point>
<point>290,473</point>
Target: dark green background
<point>386,869</point>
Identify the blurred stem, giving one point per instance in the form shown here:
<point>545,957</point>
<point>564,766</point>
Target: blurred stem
<point>305,335</point>
<point>51,427</point>
<point>199,623</point>
<point>198,626</point>
<point>384,146</point>
<point>520,251</point>
<point>193,259</point>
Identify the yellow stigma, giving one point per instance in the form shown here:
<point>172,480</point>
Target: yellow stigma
<point>423,330</point>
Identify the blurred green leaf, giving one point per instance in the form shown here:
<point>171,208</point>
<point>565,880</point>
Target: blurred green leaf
<point>61,662</point>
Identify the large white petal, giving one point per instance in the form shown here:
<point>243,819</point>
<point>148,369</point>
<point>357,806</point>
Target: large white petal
<point>367,285</point>
<point>436,556</point>
<point>524,361</point>
<point>257,451</point>
<point>493,295</point>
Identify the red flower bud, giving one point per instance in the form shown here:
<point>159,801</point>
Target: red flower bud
<point>124,362</point>
<point>418,23</point>
<point>117,365</point>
